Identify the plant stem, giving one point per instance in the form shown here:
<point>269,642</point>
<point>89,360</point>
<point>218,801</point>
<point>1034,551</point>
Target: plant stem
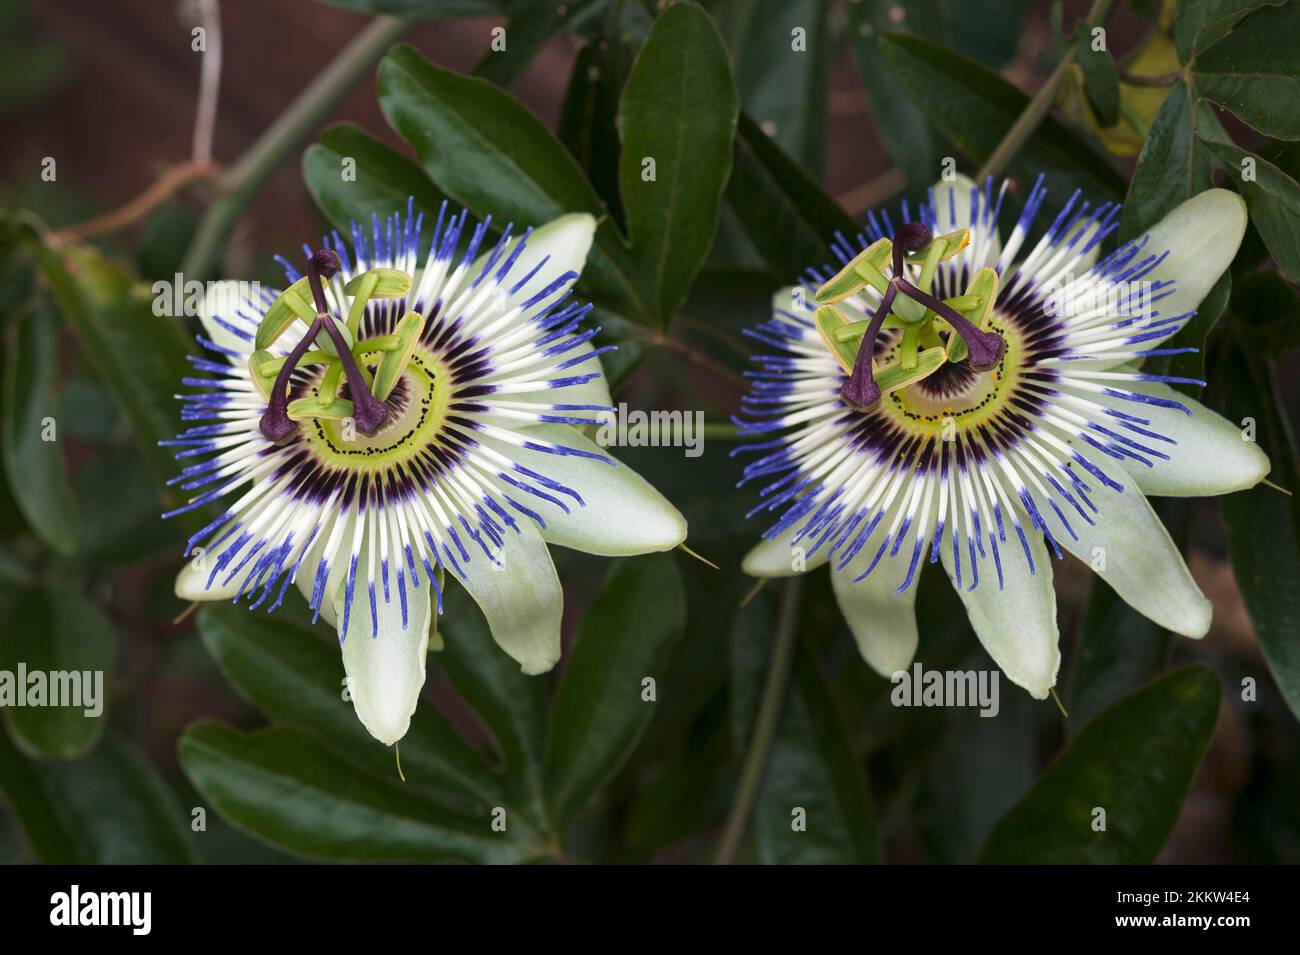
<point>160,191</point>
<point>1037,108</point>
<point>769,712</point>
<point>242,180</point>
<point>205,114</point>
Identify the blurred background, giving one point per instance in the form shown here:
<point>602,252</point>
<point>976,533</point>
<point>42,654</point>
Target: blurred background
<point>108,89</point>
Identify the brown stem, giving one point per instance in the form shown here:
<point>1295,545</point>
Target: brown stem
<point>162,189</point>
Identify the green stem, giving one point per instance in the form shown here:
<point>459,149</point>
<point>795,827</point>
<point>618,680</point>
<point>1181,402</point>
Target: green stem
<point>241,182</point>
<point>769,712</point>
<point>1037,108</point>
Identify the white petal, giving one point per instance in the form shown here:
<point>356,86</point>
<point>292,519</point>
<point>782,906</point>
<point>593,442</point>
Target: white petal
<point>521,599</point>
<point>1201,236</point>
<point>621,513</point>
<point>305,580</point>
<point>385,671</point>
<point>883,623</point>
<point>780,558</point>
<point>1212,455</point>
<point>1130,549</point>
<point>593,392</point>
<point>783,300</point>
<point>952,210</point>
<point>563,243</point>
<point>1017,624</point>
<point>191,582</point>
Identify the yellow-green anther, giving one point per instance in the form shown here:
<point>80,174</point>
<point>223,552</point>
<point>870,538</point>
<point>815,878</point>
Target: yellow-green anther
<point>892,376</point>
<point>262,369</point>
<point>304,408</point>
<point>382,283</point>
<point>394,362</point>
<point>294,302</point>
<point>866,268</point>
<point>830,324</point>
<point>953,242</point>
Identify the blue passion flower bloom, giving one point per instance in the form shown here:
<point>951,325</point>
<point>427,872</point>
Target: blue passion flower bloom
<point>383,424</point>
<point>947,394</point>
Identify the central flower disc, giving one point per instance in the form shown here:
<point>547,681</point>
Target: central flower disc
<point>956,395</point>
<point>417,413</point>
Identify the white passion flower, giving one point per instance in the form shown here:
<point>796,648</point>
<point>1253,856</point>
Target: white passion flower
<point>379,425</point>
<point>946,397</point>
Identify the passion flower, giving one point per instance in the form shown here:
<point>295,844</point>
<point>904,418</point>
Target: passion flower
<point>941,396</point>
<point>380,425</point>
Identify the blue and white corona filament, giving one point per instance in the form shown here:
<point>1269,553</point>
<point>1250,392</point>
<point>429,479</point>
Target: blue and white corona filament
<point>996,414</point>
<point>428,428</point>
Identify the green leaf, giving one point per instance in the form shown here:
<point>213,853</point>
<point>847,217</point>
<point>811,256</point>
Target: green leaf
<point>633,347</point>
<point>588,125</point>
<point>752,637</point>
<point>689,792</point>
<point>599,713</point>
<point>979,769</point>
<point>1175,163</point>
<point>1273,199</point>
<point>138,356</point>
<point>788,218</point>
<point>88,411</point>
<point>1254,71</point>
<point>1118,651</point>
<point>33,454</point>
<point>384,180</point>
<point>813,776</point>
<point>1267,314</point>
<point>52,630</point>
<point>491,154</point>
<point>1200,23</point>
<point>48,837</point>
<point>678,113</point>
<point>286,787</point>
<point>1100,78</point>
<point>294,677</point>
<point>117,498</point>
<point>975,108</point>
<point>511,704</point>
<point>1135,761</point>
<point>110,808</point>
<point>781,74</point>
<point>1264,523</point>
